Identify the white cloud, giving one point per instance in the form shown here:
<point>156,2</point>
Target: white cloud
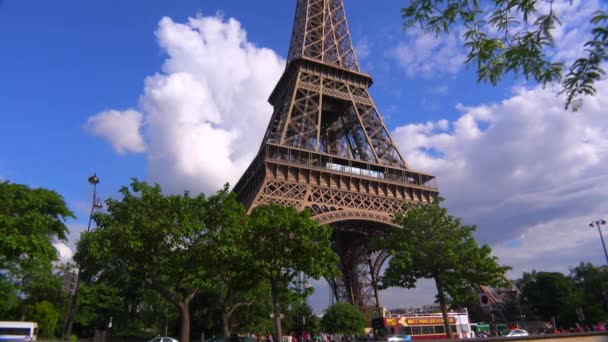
<point>363,48</point>
<point>424,55</point>
<point>575,29</point>
<point>121,128</point>
<point>525,170</point>
<point>206,112</point>
<point>440,89</point>
<point>427,56</point>
<point>65,252</point>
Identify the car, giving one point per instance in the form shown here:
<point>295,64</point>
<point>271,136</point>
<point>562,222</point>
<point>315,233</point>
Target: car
<point>399,338</point>
<point>163,339</point>
<point>517,332</point>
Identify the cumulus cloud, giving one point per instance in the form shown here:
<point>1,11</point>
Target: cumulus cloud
<point>424,55</point>
<point>525,170</point>
<point>121,128</point>
<point>207,110</point>
<point>363,48</point>
<point>575,29</point>
<point>65,252</point>
<point>522,169</point>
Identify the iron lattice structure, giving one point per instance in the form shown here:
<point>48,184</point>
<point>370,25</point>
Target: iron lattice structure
<point>327,149</point>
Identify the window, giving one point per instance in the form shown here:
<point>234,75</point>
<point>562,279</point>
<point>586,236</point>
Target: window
<point>15,331</point>
<point>416,331</point>
<point>428,329</point>
<point>439,329</point>
<point>453,328</point>
<point>405,330</point>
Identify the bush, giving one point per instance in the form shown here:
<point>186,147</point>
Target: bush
<point>47,317</point>
<point>343,318</point>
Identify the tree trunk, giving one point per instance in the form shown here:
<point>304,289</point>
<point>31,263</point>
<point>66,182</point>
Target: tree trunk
<point>276,302</point>
<point>227,314</point>
<point>183,304</point>
<point>225,324</point>
<point>444,308</point>
<point>184,309</point>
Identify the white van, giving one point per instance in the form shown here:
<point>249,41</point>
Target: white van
<point>18,331</point>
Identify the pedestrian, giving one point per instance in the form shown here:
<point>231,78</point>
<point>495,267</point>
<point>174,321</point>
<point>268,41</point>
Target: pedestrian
<point>600,326</point>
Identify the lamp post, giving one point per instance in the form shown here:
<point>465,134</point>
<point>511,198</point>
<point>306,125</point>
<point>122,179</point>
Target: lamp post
<point>598,224</point>
<point>96,203</point>
<point>303,286</point>
<point>73,300</point>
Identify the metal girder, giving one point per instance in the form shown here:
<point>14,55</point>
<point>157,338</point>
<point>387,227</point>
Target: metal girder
<point>328,150</point>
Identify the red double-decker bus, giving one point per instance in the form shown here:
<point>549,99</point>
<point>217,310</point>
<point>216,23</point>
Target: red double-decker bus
<point>423,326</point>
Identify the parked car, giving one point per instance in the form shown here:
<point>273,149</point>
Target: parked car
<point>517,332</point>
<point>163,339</point>
<point>399,338</point>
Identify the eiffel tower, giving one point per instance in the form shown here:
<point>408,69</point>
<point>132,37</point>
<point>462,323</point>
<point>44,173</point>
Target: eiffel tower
<point>327,149</point>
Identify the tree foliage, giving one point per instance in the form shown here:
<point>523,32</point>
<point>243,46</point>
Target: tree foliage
<point>592,285</point>
<point>343,318</point>
<point>200,250</point>
<point>30,221</point>
<point>98,302</point>
<point>285,242</point>
<point>236,282</point>
<point>553,294</point>
<point>161,243</point>
<point>550,294</point>
<point>431,244</point>
<point>514,36</point>
<point>47,316</point>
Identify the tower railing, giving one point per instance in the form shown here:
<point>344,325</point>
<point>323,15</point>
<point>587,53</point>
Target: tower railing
<point>348,166</point>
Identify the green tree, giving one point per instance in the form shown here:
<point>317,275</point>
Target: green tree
<point>97,302</point>
<point>30,221</point>
<point>8,298</point>
<point>431,244</point>
<point>551,294</point>
<point>236,281</point>
<point>285,242</point>
<point>343,318</point>
<point>591,283</point>
<point>515,36</point>
<point>298,316</point>
<point>47,317</point>
<point>161,241</point>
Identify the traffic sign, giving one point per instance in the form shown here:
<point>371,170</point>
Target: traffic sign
<point>484,300</point>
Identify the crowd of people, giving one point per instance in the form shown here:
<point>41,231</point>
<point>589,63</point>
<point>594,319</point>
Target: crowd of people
<point>303,336</point>
<point>600,326</point>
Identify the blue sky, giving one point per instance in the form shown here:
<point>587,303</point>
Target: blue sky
<point>111,87</point>
<point>66,60</point>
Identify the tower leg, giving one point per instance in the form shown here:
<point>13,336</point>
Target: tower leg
<point>360,268</point>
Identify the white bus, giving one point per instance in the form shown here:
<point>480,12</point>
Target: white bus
<point>18,331</point>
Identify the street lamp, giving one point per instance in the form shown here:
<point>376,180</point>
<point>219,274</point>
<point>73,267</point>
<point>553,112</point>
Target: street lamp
<point>303,287</point>
<point>598,224</point>
<point>72,303</point>
<point>96,203</point>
